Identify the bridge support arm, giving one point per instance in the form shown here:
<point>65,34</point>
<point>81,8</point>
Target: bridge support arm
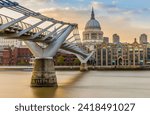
<point>83,66</point>
<point>53,47</point>
<point>36,50</point>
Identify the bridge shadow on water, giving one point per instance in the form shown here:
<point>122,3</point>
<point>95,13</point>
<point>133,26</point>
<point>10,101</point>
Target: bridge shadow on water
<point>51,92</point>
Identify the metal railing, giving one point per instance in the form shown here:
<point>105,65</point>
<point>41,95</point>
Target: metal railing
<point>20,26</point>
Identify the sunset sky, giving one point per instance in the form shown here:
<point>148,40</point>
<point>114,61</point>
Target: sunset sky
<point>128,18</point>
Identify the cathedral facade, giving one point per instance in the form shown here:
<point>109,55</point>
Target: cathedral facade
<point>92,34</point>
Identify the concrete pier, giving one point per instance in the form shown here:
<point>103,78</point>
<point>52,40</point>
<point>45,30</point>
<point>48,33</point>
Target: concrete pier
<point>43,74</point>
<point>83,67</point>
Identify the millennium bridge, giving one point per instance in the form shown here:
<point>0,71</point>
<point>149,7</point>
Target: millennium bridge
<point>43,42</point>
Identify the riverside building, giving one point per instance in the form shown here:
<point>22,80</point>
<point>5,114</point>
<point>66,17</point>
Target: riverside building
<point>123,54</point>
<point>10,42</point>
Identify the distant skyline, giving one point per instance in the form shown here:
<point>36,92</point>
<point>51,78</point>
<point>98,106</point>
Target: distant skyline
<point>127,18</point>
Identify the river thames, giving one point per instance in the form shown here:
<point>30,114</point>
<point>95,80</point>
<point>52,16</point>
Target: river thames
<point>74,84</point>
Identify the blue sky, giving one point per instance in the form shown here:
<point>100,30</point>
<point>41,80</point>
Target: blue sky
<point>121,3</point>
<point>128,18</point>
<point>134,4</point>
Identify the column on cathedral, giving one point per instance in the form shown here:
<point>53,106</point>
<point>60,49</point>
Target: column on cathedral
<point>97,36</point>
<point>90,36</point>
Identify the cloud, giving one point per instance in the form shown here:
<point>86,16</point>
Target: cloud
<point>110,24</point>
<point>101,5</point>
<point>108,8</point>
<point>36,4</point>
<point>68,14</point>
<point>114,2</point>
<point>113,8</point>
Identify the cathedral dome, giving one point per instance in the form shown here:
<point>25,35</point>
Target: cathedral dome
<point>92,23</point>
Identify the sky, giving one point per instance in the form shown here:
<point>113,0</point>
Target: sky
<point>128,18</point>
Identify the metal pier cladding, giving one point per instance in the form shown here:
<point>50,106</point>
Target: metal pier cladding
<point>44,43</point>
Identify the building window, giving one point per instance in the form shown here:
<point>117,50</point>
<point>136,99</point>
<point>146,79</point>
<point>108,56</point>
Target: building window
<point>86,36</point>
<point>94,36</point>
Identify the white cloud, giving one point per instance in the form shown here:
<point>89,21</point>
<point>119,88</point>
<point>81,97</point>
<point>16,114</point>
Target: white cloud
<point>101,5</point>
<point>114,2</point>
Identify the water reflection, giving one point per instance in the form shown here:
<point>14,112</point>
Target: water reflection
<point>73,80</point>
<point>45,92</point>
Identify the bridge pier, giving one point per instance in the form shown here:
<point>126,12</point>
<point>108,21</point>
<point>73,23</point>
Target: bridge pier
<point>43,74</point>
<point>83,67</point>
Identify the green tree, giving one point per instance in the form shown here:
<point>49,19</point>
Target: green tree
<point>60,60</point>
<point>22,62</point>
<point>76,61</point>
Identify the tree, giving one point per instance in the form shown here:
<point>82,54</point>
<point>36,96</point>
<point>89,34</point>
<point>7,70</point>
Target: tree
<point>22,62</point>
<point>60,60</point>
<point>76,61</point>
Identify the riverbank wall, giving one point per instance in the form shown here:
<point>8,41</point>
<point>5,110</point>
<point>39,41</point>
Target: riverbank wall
<point>67,68</point>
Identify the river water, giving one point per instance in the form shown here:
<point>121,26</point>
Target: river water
<point>76,84</point>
